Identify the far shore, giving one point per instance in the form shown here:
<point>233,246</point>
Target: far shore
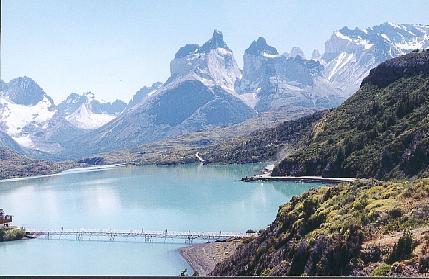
<point>68,171</point>
<point>311,179</point>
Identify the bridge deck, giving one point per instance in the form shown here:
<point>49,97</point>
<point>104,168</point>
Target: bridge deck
<point>147,235</point>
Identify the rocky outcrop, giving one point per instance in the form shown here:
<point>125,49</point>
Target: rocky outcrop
<point>415,63</point>
<point>24,91</point>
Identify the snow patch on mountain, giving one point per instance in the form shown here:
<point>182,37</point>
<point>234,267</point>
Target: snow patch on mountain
<point>351,53</point>
<point>86,112</point>
<point>84,118</point>
<point>19,121</point>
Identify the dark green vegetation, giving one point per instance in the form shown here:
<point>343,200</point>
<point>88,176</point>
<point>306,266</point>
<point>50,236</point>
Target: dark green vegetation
<point>262,145</point>
<point>402,249</point>
<point>382,131</point>
<point>15,165</point>
<point>342,230</point>
<point>11,233</point>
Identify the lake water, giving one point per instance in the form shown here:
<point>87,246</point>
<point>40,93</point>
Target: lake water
<point>151,198</point>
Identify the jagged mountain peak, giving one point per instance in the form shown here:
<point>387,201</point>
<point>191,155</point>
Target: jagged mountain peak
<point>315,55</point>
<point>213,64</point>
<point>260,47</point>
<point>24,91</point>
<point>401,37</point>
<point>186,50</point>
<point>216,41</point>
<point>296,51</point>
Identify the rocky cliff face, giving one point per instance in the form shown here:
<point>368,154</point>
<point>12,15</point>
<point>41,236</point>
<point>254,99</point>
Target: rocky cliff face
<point>415,63</point>
<point>278,82</point>
<point>7,142</point>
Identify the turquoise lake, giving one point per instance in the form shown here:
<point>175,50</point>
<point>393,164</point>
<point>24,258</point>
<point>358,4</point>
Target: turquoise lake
<point>151,198</point>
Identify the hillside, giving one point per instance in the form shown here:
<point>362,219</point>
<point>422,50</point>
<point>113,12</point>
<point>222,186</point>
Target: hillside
<point>13,165</point>
<point>382,131</point>
<point>349,229</point>
<point>263,144</point>
<point>250,141</point>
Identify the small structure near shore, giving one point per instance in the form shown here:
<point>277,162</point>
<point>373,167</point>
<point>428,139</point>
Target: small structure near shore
<point>5,219</point>
<point>308,179</point>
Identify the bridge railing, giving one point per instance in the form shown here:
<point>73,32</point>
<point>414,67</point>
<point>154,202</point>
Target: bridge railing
<point>147,235</point>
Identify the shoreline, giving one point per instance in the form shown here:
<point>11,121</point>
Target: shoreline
<point>64,172</point>
<point>308,179</point>
<point>203,257</point>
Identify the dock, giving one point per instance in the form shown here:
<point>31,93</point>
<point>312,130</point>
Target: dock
<point>308,179</point>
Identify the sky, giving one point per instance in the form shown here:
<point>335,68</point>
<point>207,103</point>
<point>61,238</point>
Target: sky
<point>114,47</point>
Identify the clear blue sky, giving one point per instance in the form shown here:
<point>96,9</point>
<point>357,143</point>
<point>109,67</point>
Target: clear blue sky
<point>113,48</point>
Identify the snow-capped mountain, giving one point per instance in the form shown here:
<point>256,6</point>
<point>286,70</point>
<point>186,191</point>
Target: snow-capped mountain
<point>198,95</point>
<point>31,119</point>
<point>284,82</point>
<point>206,88</point>
<point>25,110</point>
<point>86,112</point>
<point>351,54</point>
<point>212,63</point>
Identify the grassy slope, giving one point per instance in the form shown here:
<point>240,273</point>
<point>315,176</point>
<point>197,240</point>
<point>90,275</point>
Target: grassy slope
<point>322,231</point>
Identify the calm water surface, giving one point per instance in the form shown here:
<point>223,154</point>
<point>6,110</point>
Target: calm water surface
<point>179,198</point>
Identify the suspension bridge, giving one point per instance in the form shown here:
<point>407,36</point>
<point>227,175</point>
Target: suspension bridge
<point>147,236</point>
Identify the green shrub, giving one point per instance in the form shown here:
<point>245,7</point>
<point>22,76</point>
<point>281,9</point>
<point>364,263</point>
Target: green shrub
<point>8,234</point>
<point>402,249</point>
<point>381,270</point>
